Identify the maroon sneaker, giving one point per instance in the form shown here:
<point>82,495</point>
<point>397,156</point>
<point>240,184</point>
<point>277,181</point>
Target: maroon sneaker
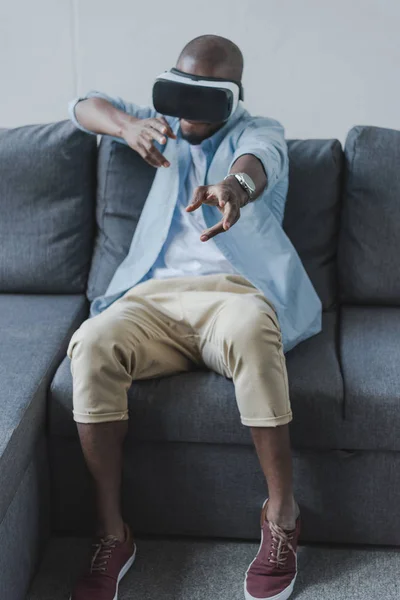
<point>111,560</point>
<point>272,573</point>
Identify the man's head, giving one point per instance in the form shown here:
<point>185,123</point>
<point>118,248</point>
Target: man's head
<point>208,56</point>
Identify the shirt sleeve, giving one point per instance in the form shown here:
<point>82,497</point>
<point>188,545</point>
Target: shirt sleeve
<point>140,112</point>
<point>265,139</point>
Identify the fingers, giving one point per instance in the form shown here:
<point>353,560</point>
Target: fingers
<point>162,126</point>
<point>212,232</point>
<point>153,134</point>
<point>219,195</point>
<point>151,154</point>
<point>231,215</point>
<point>154,130</point>
<point>199,195</point>
<point>169,131</point>
<point>223,200</point>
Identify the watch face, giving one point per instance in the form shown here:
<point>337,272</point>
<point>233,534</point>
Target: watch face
<point>249,182</point>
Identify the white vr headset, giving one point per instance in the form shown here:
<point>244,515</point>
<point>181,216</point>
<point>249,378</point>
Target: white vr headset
<point>194,98</point>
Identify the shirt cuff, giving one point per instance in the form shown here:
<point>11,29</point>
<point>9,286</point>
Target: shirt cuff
<point>72,106</point>
<point>267,159</point>
<point>72,116</point>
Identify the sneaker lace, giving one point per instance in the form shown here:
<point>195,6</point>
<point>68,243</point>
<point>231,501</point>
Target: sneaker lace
<point>102,553</point>
<point>281,545</point>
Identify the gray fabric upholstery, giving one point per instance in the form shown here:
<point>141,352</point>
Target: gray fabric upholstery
<point>47,204</point>
<point>201,407</point>
<point>25,526</point>
<point>124,180</point>
<point>216,490</point>
<point>369,246</point>
<point>370,353</point>
<point>313,210</point>
<point>311,219</point>
<point>35,331</point>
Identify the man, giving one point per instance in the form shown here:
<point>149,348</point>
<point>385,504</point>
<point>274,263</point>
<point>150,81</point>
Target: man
<point>210,279</point>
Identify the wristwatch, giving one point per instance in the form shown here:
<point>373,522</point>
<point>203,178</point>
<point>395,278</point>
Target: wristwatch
<point>245,181</point>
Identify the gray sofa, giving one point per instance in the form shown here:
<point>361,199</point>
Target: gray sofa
<point>68,213</point>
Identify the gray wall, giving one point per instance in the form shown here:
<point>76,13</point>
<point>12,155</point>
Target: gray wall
<point>318,66</point>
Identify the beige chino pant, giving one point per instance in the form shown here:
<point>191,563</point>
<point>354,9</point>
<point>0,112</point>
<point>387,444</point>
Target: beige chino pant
<point>165,326</point>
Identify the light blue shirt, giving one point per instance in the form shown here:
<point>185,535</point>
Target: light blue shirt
<point>256,246</point>
<point>183,253</point>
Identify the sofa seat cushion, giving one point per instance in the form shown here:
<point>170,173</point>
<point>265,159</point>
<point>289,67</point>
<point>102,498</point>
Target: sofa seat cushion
<point>35,331</point>
<point>370,355</point>
<point>200,406</point>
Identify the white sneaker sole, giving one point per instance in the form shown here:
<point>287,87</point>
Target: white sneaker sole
<point>122,572</point>
<point>283,595</point>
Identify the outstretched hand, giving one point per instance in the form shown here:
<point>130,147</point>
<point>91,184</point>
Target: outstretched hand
<point>228,196</point>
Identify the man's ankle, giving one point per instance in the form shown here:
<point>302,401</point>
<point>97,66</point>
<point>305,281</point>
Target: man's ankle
<point>117,530</point>
<point>284,515</point>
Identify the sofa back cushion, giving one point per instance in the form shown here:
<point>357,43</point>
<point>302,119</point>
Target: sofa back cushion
<point>313,210</point>
<point>47,203</point>
<point>311,217</point>
<point>369,246</point>
<point>124,180</point>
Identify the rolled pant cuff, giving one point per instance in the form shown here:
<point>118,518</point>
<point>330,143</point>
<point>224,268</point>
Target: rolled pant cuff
<point>268,422</point>
<point>100,418</point>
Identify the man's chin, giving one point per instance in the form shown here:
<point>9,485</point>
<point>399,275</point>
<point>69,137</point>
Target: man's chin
<point>192,138</point>
<point>195,134</point>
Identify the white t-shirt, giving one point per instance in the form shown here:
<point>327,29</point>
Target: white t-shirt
<point>183,252</point>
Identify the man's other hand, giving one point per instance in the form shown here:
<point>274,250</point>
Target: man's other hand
<point>139,134</point>
<point>228,196</point>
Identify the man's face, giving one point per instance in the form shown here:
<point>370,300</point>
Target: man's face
<point>193,131</point>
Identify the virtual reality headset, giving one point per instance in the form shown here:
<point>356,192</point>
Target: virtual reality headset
<point>194,98</point>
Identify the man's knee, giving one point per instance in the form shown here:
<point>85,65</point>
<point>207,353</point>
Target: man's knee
<point>88,335</point>
<point>100,376</point>
<point>250,324</point>
<point>95,335</point>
